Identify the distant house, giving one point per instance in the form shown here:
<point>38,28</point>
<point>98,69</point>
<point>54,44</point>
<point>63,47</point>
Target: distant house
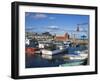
<point>64,37</point>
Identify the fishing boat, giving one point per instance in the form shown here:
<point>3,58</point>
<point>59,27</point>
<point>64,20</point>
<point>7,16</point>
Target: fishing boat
<point>31,50</point>
<point>53,50</point>
<point>78,55</point>
<point>81,55</point>
<point>31,47</point>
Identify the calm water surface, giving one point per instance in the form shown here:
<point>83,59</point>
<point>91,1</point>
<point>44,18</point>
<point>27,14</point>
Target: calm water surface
<point>38,61</point>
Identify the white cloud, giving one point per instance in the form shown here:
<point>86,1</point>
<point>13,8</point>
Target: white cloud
<point>51,18</point>
<point>40,16</point>
<point>53,27</point>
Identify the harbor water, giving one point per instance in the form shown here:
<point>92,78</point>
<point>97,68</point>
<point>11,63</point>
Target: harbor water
<point>38,60</point>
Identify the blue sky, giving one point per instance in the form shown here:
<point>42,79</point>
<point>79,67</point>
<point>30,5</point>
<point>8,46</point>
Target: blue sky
<point>55,23</point>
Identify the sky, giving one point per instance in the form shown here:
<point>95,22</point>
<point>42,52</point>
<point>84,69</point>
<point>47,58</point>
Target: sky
<point>56,23</point>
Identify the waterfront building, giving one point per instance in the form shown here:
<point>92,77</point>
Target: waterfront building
<point>64,37</point>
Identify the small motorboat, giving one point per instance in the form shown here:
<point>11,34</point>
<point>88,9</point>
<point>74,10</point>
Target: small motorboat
<point>81,55</point>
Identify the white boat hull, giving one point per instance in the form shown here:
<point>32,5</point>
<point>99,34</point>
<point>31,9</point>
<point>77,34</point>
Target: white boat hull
<point>81,56</point>
<point>47,52</point>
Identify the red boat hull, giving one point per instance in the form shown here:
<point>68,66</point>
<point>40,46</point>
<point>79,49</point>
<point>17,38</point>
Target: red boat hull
<point>30,50</point>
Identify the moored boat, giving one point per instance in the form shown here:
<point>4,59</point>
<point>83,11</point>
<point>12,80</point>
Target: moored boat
<point>31,50</point>
<point>77,55</point>
<point>31,46</point>
<point>51,52</point>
